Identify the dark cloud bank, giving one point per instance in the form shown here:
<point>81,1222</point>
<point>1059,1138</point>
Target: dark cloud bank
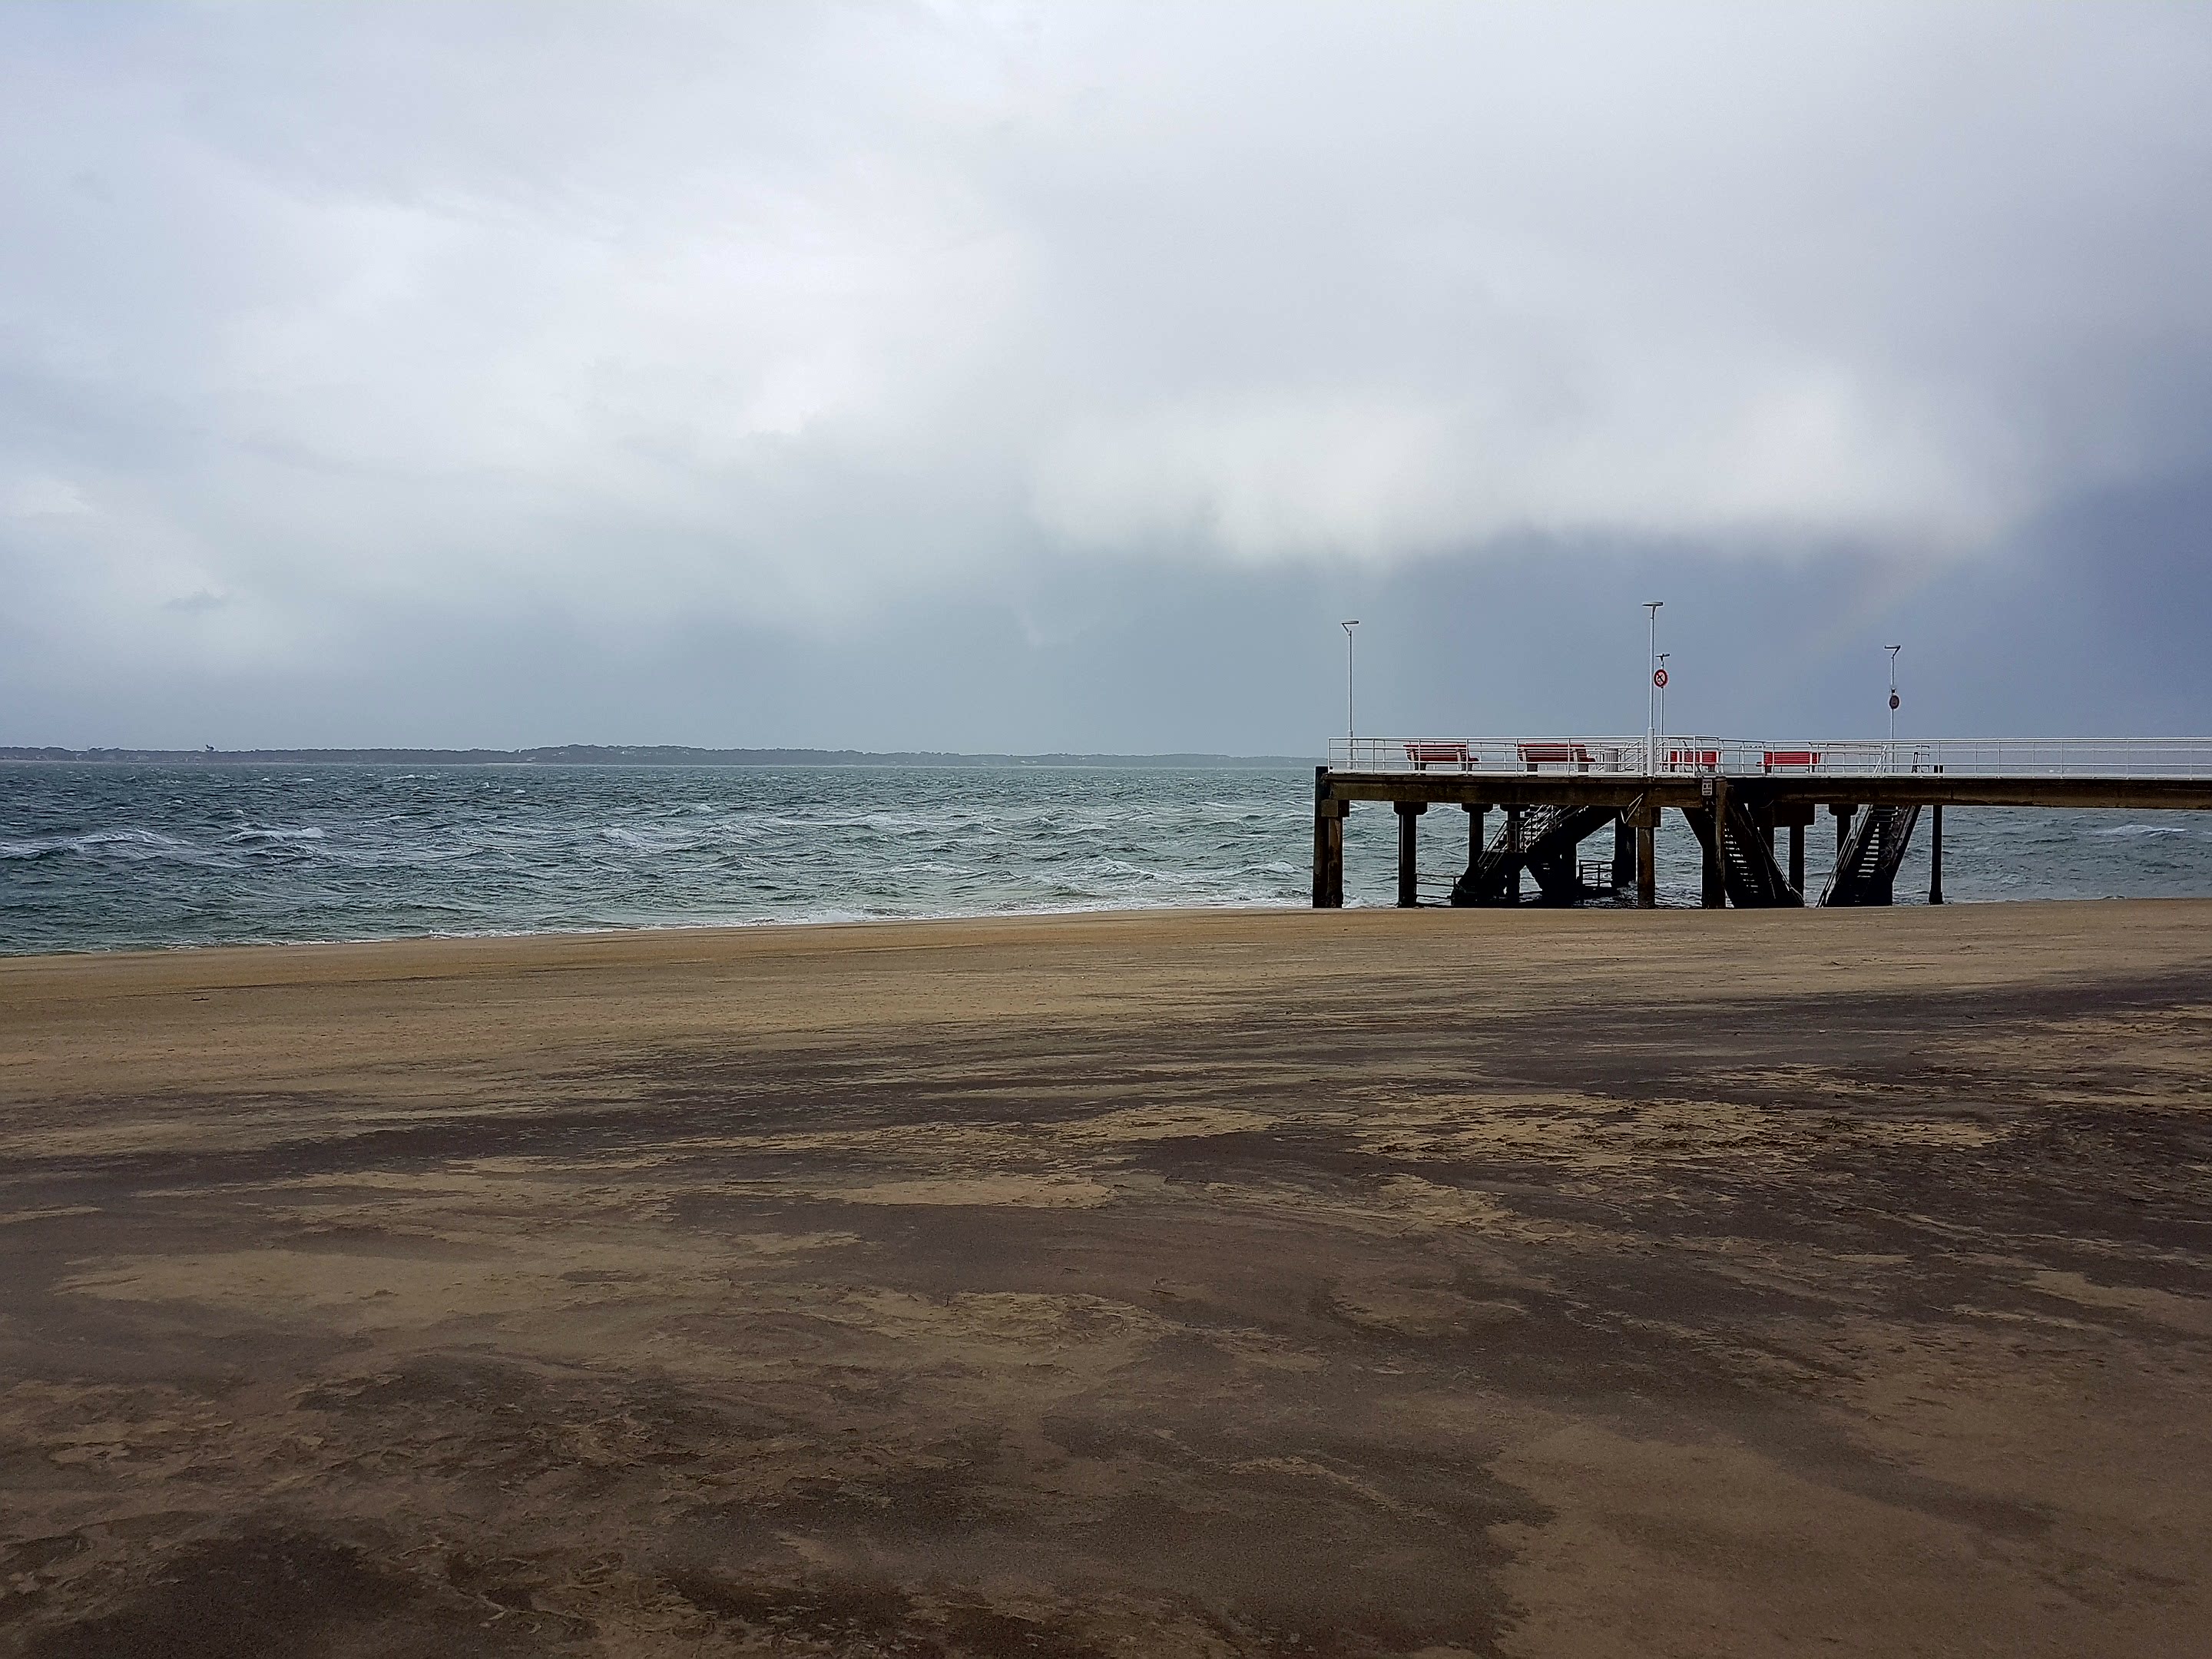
<point>1054,378</point>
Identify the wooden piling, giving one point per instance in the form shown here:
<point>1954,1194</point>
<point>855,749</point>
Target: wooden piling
<point>1935,856</point>
<point>1713,887</point>
<point>1647,858</point>
<point>1409,813</point>
<point>1797,856</point>
<point>1328,844</point>
<point>1513,847</point>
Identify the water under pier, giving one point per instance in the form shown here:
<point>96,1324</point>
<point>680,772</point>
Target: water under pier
<point>1749,804</point>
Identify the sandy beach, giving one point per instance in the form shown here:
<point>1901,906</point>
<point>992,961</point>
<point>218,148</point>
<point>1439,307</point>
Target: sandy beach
<point>1365,1282</point>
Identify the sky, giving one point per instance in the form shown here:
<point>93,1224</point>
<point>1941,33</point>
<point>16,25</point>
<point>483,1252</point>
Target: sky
<point>1057,377</point>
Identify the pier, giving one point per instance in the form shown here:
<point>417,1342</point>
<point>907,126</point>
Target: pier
<point>1751,805</point>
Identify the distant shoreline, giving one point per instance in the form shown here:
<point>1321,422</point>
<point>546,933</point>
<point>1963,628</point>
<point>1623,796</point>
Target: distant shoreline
<point>620,755</point>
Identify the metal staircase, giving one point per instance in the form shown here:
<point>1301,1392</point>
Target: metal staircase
<point>1873,848</point>
<point>1753,880</point>
<point>1549,837</point>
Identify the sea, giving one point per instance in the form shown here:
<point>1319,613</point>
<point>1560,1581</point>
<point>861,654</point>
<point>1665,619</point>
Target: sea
<point>102,857</point>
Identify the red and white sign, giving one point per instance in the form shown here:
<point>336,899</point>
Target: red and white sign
<point>1659,678</point>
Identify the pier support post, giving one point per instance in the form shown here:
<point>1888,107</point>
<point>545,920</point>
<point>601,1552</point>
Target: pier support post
<point>1935,856</point>
<point>1328,845</point>
<point>1714,886</point>
<point>1476,838</point>
<point>1513,852</point>
<point>1409,812</point>
<point>1795,816</point>
<point>1624,853</point>
<point>1647,858</point>
<point>1843,813</point>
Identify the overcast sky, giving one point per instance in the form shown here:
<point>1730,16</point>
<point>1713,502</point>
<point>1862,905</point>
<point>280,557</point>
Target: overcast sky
<point>1057,376</point>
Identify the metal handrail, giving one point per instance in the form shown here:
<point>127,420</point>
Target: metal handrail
<point>1693,755</point>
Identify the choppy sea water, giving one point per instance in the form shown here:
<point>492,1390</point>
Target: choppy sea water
<point>105,857</point>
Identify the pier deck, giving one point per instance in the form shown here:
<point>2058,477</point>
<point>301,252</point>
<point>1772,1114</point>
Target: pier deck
<point>1736,796</point>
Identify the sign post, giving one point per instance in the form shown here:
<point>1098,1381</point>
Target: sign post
<point>1651,697</point>
<point>1889,755</point>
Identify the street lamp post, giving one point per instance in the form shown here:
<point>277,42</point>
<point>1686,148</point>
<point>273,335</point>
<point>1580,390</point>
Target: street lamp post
<point>1351,748</point>
<point>1651,694</point>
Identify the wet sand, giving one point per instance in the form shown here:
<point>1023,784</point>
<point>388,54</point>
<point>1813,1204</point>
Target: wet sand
<point>1349,1284</point>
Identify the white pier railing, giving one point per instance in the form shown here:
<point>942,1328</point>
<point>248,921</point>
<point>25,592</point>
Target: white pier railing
<point>1984,758</point>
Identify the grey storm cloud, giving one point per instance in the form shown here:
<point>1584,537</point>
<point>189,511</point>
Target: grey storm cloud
<point>1053,375</point>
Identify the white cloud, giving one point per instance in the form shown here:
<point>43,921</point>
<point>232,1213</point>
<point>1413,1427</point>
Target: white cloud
<point>781,314</point>
<point>42,497</point>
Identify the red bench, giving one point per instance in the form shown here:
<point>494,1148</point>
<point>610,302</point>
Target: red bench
<point>1425,755</point>
<point>1693,760</point>
<point>1798,758</point>
<point>1537,755</point>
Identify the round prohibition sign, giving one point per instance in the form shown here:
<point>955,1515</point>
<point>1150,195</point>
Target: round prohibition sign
<point>1659,678</point>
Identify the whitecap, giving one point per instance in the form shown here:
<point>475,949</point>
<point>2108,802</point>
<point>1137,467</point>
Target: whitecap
<point>649,840</point>
<point>93,841</point>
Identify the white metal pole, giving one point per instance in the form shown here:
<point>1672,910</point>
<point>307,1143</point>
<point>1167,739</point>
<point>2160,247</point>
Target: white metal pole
<point>1350,739</point>
<point>1651,694</point>
<point>1889,759</point>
